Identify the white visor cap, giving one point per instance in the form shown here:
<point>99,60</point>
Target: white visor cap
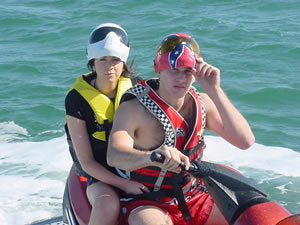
<point>111,45</point>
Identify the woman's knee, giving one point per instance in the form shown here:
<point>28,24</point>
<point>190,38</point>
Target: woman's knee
<point>107,204</point>
<point>103,196</point>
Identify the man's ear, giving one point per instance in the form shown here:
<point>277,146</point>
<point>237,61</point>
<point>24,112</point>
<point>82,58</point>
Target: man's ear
<point>158,74</point>
<point>155,66</point>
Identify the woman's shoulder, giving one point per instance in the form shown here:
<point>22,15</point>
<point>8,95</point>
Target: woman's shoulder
<point>73,95</point>
<point>74,103</point>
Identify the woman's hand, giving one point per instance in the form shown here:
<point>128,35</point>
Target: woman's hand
<point>133,187</point>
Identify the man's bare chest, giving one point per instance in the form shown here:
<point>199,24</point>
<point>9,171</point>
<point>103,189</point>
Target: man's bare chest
<point>150,133</point>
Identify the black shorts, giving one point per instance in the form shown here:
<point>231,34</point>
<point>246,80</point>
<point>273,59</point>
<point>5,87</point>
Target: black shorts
<point>91,180</point>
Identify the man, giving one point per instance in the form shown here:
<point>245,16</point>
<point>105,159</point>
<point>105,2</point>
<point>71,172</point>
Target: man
<point>168,116</point>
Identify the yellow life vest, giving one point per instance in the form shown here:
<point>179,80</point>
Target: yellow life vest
<point>103,107</point>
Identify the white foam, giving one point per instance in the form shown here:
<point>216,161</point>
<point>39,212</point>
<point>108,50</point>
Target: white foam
<point>10,131</point>
<point>280,160</point>
<point>47,155</point>
<point>33,174</point>
<point>283,188</point>
<point>3,220</point>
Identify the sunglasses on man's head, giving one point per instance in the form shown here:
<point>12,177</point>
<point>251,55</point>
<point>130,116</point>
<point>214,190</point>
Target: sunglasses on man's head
<point>171,43</point>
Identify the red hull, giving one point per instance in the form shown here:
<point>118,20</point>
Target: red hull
<point>79,202</point>
<point>268,213</point>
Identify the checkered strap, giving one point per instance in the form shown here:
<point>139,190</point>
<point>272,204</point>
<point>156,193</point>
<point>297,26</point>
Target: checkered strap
<point>141,94</point>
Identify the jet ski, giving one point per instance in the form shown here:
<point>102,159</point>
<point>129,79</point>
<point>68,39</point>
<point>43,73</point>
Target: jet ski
<point>240,201</point>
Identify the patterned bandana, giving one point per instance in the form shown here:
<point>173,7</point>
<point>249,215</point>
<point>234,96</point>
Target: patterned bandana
<point>180,55</point>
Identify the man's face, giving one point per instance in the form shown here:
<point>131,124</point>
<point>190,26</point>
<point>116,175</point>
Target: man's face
<point>176,82</point>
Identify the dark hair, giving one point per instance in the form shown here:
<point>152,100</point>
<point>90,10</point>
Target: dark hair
<point>129,69</point>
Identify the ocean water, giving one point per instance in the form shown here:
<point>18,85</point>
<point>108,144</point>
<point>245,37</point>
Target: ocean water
<point>256,45</point>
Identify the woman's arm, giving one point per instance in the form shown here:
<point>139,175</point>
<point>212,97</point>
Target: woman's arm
<point>83,149</point>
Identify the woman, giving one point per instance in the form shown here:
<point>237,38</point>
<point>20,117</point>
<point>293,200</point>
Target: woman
<point>90,106</point>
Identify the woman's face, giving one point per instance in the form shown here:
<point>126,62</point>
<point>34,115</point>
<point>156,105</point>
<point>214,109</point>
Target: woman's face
<point>108,68</point>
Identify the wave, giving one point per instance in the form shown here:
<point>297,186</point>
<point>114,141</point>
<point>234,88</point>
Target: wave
<point>273,95</point>
<point>279,160</point>
<point>36,173</point>
<point>52,155</point>
<point>10,131</point>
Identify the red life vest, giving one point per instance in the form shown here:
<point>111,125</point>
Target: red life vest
<point>176,133</point>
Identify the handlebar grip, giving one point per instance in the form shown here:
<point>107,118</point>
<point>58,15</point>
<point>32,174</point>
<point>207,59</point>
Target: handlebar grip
<point>157,157</point>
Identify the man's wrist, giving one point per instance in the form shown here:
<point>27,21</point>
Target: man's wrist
<point>215,91</point>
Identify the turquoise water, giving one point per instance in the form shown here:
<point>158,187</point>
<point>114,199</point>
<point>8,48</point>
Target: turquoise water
<point>256,45</point>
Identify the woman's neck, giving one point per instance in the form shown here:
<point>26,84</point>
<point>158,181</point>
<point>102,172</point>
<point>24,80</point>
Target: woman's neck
<point>107,88</point>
